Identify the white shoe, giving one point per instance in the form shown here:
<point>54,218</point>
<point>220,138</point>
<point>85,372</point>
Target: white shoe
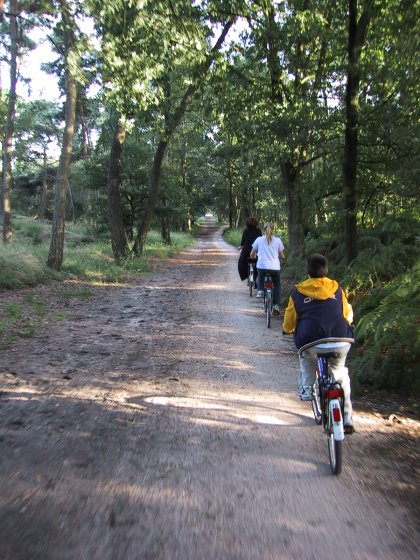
<point>305,393</point>
<point>276,310</point>
<point>259,294</point>
<point>348,424</point>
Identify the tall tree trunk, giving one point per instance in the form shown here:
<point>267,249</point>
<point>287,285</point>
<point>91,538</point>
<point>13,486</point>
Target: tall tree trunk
<point>71,200</point>
<point>55,256</point>
<point>230,195</point>
<point>85,148</point>
<point>357,34</point>
<point>43,197</point>
<point>115,215</point>
<point>171,125</point>
<point>295,209</point>
<point>151,199</point>
<point>165,230</point>
<point>10,125</point>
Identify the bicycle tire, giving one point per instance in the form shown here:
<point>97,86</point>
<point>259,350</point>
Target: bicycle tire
<point>316,403</point>
<point>250,279</point>
<point>268,311</point>
<point>335,452</point>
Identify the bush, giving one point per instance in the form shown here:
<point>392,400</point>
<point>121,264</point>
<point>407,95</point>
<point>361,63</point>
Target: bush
<point>20,266</point>
<point>388,344</point>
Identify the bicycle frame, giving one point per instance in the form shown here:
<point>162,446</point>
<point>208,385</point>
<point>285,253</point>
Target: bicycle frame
<point>251,275</point>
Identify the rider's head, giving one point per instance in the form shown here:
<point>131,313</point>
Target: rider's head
<point>317,266</point>
<point>252,222</point>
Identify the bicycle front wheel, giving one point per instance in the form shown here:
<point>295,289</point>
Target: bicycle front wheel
<point>316,403</point>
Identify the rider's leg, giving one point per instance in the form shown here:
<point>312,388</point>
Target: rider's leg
<point>307,362</point>
<point>275,275</point>
<point>261,279</point>
<point>341,375</point>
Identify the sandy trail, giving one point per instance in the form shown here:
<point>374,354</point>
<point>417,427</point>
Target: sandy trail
<point>160,421</point>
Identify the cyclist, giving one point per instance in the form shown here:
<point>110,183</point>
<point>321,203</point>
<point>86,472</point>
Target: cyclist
<point>270,250</point>
<point>249,235</point>
<point>318,312</point>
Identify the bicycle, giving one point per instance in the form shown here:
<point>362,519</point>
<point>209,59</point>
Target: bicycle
<point>251,275</point>
<point>268,297</point>
<point>328,406</point>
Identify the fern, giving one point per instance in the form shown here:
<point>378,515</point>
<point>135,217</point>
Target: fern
<point>388,335</point>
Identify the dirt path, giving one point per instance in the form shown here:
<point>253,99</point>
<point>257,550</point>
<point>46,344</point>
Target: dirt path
<point>159,421</point>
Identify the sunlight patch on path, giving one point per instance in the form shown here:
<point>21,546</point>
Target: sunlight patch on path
<point>246,411</point>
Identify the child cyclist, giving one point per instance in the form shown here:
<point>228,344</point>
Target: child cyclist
<point>270,250</point>
<point>319,316</point>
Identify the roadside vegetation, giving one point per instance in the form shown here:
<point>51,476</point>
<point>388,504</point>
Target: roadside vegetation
<point>23,263</point>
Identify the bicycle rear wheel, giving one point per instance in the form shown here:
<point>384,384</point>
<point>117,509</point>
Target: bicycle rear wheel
<point>316,402</point>
<point>335,449</point>
<point>268,309</point>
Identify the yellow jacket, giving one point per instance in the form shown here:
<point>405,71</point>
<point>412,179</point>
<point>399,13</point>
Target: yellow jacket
<point>317,289</point>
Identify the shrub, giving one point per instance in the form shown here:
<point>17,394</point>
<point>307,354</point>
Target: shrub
<point>20,266</point>
<point>388,344</point>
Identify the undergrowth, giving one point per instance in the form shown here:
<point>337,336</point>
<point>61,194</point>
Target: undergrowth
<point>23,262</point>
<point>388,342</point>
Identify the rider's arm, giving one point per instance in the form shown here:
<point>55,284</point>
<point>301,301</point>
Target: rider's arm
<point>254,249</point>
<point>347,309</point>
<point>290,317</point>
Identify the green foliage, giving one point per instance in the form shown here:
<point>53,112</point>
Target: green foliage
<point>95,261</point>
<point>35,232</point>
<point>233,236</point>
<point>384,253</point>
<point>23,263</point>
<point>20,266</point>
<point>36,304</point>
<point>388,335</point>
<point>13,310</point>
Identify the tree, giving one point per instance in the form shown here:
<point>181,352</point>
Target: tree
<point>154,58</point>
<point>15,10</point>
<point>356,37</point>
<point>55,256</point>
<point>38,127</point>
<point>116,221</point>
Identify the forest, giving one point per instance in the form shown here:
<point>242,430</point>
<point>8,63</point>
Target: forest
<point>302,113</point>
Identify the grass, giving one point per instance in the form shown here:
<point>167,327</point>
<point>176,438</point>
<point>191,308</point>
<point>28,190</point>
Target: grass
<point>23,262</point>
<point>233,236</point>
